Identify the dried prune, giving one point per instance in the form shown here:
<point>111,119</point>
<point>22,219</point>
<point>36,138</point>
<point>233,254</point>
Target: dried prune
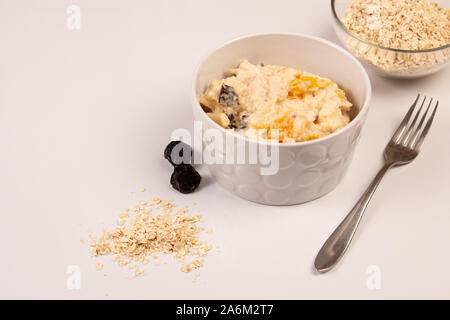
<point>178,152</point>
<point>232,119</point>
<point>205,108</point>
<point>227,96</point>
<point>185,178</point>
<point>243,122</point>
<point>230,116</point>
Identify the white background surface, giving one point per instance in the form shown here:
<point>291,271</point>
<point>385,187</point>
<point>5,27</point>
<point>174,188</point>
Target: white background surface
<point>85,116</point>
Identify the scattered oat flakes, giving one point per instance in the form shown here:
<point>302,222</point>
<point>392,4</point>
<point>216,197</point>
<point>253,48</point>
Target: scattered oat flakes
<point>143,190</point>
<point>99,266</point>
<point>145,235</point>
<point>138,272</point>
<point>196,276</point>
<point>185,268</point>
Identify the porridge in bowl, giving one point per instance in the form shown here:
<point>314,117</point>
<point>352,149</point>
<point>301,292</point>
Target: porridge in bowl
<point>276,103</point>
<point>267,96</point>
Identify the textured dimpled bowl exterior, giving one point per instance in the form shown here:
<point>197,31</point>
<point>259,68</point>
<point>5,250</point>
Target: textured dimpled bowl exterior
<point>307,170</point>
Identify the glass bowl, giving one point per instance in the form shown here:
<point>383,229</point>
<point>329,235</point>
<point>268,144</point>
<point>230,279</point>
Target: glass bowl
<point>388,62</point>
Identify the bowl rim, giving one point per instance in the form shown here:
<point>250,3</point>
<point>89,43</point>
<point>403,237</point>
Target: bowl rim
<point>361,113</point>
<point>342,25</point>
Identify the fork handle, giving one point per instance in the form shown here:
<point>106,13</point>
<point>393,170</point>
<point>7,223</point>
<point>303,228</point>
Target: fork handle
<point>334,248</point>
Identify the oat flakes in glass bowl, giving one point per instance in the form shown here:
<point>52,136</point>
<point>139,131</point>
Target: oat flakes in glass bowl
<point>395,38</point>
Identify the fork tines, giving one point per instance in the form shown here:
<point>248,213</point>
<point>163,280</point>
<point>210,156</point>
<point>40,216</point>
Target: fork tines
<point>409,134</point>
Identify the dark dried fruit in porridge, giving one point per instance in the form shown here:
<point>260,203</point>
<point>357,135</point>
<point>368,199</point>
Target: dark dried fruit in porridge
<point>185,178</point>
<point>228,96</point>
<point>237,122</point>
<point>242,126</point>
<point>230,116</point>
<point>232,119</point>
<point>175,153</point>
<point>205,108</point>
<point>243,122</point>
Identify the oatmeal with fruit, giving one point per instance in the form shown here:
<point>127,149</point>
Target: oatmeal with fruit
<point>276,103</point>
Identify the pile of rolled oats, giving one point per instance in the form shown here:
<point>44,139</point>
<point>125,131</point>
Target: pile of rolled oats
<point>150,229</point>
<point>399,24</point>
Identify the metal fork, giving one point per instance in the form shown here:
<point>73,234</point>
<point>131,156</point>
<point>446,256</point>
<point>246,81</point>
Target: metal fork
<point>403,148</point>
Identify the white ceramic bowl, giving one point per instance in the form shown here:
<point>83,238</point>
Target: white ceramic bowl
<point>307,170</point>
